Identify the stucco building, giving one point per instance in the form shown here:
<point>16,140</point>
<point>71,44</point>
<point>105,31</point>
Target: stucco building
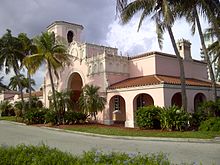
<point>127,82</point>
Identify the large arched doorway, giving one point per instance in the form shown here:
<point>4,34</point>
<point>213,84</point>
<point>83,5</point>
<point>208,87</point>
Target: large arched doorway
<point>198,99</point>
<point>75,84</point>
<point>142,100</point>
<point>117,110</point>
<point>177,99</point>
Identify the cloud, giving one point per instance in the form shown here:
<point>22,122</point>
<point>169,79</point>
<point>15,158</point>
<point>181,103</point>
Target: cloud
<point>33,16</point>
<point>128,40</point>
<point>97,17</point>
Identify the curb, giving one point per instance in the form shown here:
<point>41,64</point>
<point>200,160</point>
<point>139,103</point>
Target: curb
<point>160,139</point>
<point>153,139</point>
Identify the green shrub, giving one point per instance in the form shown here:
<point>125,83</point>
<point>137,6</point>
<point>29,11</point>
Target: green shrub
<point>210,109</point>
<point>72,117</point>
<point>35,115</point>
<point>51,117</point>
<point>196,119</point>
<point>6,109</point>
<point>212,124</point>
<point>34,155</point>
<point>174,118</point>
<point>43,155</point>
<point>148,117</point>
<point>206,110</point>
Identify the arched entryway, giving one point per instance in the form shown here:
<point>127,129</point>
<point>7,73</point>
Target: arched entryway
<point>75,84</point>
<point>177,99</point>
<point>117,110</point>
<point>142,100</point>
<point>198,99</point>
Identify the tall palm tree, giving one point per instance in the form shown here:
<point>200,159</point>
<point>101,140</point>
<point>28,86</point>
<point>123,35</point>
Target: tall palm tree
<point>90,101</point>
<point>14,85</point>
<point>27,48</point>
<point>213,50</point>
<point>11,56</point>
<point>162,12</point>
<point>190,11</point>
<point>49,50</point>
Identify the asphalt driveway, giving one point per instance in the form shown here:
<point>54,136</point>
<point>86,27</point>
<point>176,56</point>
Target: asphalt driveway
<point>13,134</point>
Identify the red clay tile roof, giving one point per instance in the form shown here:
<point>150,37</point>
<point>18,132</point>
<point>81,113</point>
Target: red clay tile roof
<point>157,79</point>
<point>36,94</point>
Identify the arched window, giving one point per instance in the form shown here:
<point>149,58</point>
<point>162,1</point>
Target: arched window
<point>198,99</point>
<point>70,36</point>
<point>177,99</point>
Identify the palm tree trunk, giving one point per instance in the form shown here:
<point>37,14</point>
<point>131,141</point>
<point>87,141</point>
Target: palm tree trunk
<point>212,77</point>
<point>181,67</point>
<point>29,86</point>
<point>52,87</point>
<point>17,73</point>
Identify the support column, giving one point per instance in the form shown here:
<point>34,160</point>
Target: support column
<point>106,115</point>
<point>129,114</point>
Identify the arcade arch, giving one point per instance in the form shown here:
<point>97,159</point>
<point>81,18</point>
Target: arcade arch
<point>117,109</point>
<point>75,84</point>
<point>198,99</point>
<point>177,99</point>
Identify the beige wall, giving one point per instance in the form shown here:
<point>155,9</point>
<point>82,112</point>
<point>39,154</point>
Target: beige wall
<point>142,66</point>
<point>169,66</point>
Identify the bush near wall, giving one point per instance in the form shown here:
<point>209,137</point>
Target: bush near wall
<point>148,117</point>
<point>35,115</point>
<point>174,118</point>
<point>206,110</point>
<point>210,109</point>
<point>153,117</point>
<point>6,109</point>
<point>212,124</point>
<point>43,155</point>
<point>72,117</point>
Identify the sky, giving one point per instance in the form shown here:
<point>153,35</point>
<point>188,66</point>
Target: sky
<point>101,26</point>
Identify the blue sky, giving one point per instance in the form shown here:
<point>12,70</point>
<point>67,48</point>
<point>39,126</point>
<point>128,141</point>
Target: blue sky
<point>100,26</point>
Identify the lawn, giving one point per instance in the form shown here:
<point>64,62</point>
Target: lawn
<point>121,131</point>
<point>11,118</point>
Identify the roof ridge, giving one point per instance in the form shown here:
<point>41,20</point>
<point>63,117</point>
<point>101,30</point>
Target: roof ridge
<point>159,79</point>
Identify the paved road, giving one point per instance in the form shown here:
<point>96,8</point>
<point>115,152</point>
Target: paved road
<point>13,134</point>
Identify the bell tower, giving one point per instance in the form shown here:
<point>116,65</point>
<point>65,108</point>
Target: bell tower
<point>68,31</point>
<point>184,48</point>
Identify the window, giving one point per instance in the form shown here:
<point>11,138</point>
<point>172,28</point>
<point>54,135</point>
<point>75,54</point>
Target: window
<point>70,36</point>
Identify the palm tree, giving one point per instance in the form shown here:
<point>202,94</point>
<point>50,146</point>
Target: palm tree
<point>64,103</point>
<point>11,56</point>
<point>162,12</point>
<point>213,50</point>
<point>27,48</point>
<point>49,50</point>
<point>14,85</point>
<point>190,11</point>
<point>90,101</point>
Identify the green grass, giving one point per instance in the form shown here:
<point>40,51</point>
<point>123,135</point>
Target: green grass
<point>96,129</point>
<point>11,118</point>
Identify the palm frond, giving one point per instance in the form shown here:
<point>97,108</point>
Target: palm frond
<point>33,62</point>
